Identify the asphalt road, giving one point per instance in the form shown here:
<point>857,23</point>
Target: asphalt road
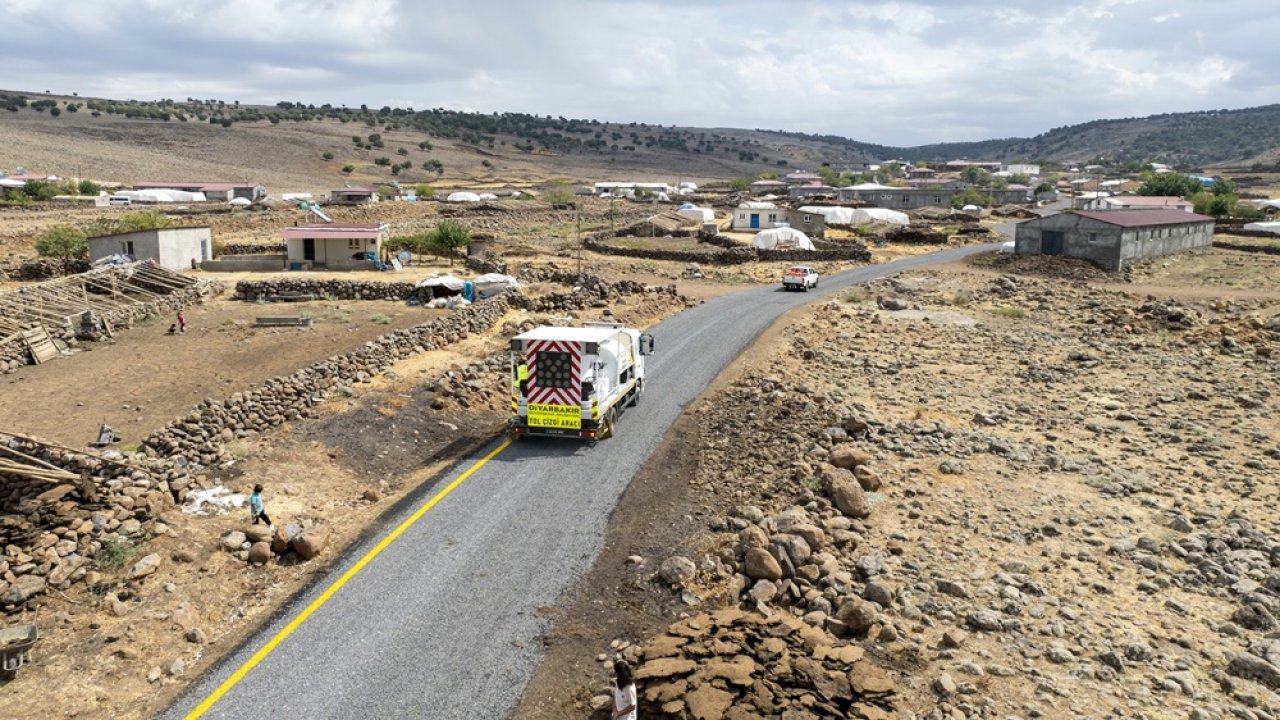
<point>447,621</point>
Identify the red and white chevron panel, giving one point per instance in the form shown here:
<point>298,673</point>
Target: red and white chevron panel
<point>555,372</point>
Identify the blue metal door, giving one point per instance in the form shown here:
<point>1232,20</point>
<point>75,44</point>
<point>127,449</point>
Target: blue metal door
<point>755,220</point>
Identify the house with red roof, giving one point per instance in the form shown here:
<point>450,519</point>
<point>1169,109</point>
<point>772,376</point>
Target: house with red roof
<point>1113,238</point>
<point>335,246</point>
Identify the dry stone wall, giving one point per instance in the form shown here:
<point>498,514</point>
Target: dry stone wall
<point>52,530</point>
<point>254,290</point>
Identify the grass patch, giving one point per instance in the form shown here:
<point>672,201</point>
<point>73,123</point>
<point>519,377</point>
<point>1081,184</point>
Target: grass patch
<point>115,553</point>
<point>380,319</point>
<point>855,296</point>
<point>961,300</point>
<point>1010,312</point>
<point>813,483</point>
<point>239,449</point>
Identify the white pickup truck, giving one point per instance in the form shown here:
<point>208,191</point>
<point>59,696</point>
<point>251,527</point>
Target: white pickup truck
<point>799,277</point>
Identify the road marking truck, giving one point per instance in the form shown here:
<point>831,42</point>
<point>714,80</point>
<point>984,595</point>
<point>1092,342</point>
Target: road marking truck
<point>575,381</point>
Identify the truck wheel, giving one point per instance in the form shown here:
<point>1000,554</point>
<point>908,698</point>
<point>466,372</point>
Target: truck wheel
<point>610,420</point>
<point>635,398</point>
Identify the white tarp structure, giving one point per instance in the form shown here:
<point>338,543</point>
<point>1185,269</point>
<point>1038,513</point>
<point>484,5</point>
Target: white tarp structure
<point>696,214</point>
<point>240,202</point>
<point>9,183</point>
<point>462,197</point>
<point>871,186</point>
<point>1268,227</point>
<point>488,196</point>
<point>445,281</point>
<point>782,238</point>
<point>757,205</point>
<point>491,284</point>
<point>863,216</point>
<point>832,215</point>
<point>161,196</point>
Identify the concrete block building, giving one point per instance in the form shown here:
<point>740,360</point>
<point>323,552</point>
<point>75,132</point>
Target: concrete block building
<point>1113,238</point>
<point>173,248</point>
<point>334,246</point>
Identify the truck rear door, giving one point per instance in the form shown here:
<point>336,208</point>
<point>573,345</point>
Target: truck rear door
<point>555,384</point>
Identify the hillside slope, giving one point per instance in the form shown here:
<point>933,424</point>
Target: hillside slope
<point>284,146</point>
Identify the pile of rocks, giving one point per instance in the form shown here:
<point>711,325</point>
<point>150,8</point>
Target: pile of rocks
<point>258,544</point>
<point>333,289</point>
<point>44,269</point>
<point>735,664</point>
<point>200,435</point>
<point>52,531</point>
<point>252,248</point>
<point>916,235</point>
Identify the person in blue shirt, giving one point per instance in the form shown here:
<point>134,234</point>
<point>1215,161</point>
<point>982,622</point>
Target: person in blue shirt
<point>256,508</point>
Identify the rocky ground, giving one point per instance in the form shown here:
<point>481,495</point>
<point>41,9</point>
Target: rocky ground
<point>958,494</point>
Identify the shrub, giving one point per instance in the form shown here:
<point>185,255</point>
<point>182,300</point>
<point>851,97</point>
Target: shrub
<point>739,184</point>
<point>327,156</point>
<point>424,190</point>
<point>88,187</point>
<point>348,169</point>
<point>382,161</point>
<point>558,192</point>
<point>39,190</point>
<point>115,553</point>
<point>63,242</point>
<point>143,220</point>
<point>401,151</point>
<point>447,237</point>
<point>1010,312</point>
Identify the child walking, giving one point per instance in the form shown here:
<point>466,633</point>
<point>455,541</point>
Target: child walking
<point>256,509</point>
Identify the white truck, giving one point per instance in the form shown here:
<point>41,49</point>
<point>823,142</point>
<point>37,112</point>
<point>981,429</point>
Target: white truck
<point>799,277</point>
<point>575,381</point>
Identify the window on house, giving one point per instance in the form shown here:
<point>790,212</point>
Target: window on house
<point>1093,238</point>
<point>937,199</point>
<point>353,244</point>
<point>127,247</point>
<point>807,219</point>
<point>773,217</point>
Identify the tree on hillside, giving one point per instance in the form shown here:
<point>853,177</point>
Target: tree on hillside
<point>977,176</point>
<point>739,184</point>
<point>971,196</point>
<point>424,190</point>
<point>63,242</point>
<point>447,237</point>
<point>558,192</point>
<point>144,220</point>
<point>1169,185</point>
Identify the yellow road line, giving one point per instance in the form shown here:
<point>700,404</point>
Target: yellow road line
<point>315,605</point>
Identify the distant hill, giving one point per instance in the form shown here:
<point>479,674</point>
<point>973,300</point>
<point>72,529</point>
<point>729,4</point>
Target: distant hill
<point>291,146</point>
<point>1210,138</point>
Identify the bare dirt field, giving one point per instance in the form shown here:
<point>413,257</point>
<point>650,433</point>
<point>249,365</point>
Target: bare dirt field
<point>1063,510</point>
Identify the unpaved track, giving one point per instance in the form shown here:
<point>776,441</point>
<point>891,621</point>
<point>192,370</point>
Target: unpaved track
<point>447,621</point>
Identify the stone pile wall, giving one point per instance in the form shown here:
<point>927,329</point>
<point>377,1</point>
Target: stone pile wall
<point>734,256</point>
<point>199,436</point>
<point>258,248</point>
<point>51,531</point>
<point>254,290</point>
<point>42,269</point>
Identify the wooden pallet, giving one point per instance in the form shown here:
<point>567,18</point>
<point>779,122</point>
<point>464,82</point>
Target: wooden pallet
<point>40,344</point>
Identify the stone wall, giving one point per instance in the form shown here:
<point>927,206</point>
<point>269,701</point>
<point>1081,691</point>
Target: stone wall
<point>254,290</point>
<point>735,256</point>
<point>258,248</point>
<point>246,263</point>
<point>51,530</point>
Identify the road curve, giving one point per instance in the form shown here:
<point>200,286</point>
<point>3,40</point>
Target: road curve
<point>446,622</point>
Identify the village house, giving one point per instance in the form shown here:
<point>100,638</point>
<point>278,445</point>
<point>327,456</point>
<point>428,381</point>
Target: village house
<point>767,187</point>
<point>802,177</point>
<point>354,194</point>
<point>1143,202</point>
<point>1029,169</point>
<point>334,246</point>
<point>799,192</point>
<point>224,191</point>
<point>1112,238</point>
<point>173,248</point>
<point>755,216</point>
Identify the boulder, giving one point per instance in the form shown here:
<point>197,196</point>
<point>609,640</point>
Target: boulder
<point>677,570</point>
<point>311,542</point>
<point>232,541</point>
<point>760,565</point>
<point>145,566</point>
<point>868,478</point>
<point>22,589</point>
<point>856,614</point>
<point>260,553</point>
<point>259,533</point>
<point>849,456</point>
<point>848,496</point>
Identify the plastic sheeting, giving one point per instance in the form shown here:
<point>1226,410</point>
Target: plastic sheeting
<point>863,216</point>
<point>240,202</point>
<point>488,196</point>
<point>1270,227</point>
<point>461,197</point>
<point>161,196</point>
<point>783,238</point>
<point>832,215</point>
<point>697,214</point>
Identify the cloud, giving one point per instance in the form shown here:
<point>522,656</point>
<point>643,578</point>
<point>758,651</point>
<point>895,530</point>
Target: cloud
<point>887,72</point>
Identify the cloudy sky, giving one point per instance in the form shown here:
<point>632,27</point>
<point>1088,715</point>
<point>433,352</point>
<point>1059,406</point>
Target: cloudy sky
<point>897,73</point>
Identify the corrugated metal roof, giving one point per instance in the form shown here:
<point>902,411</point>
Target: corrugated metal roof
<point>1143,218</point>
